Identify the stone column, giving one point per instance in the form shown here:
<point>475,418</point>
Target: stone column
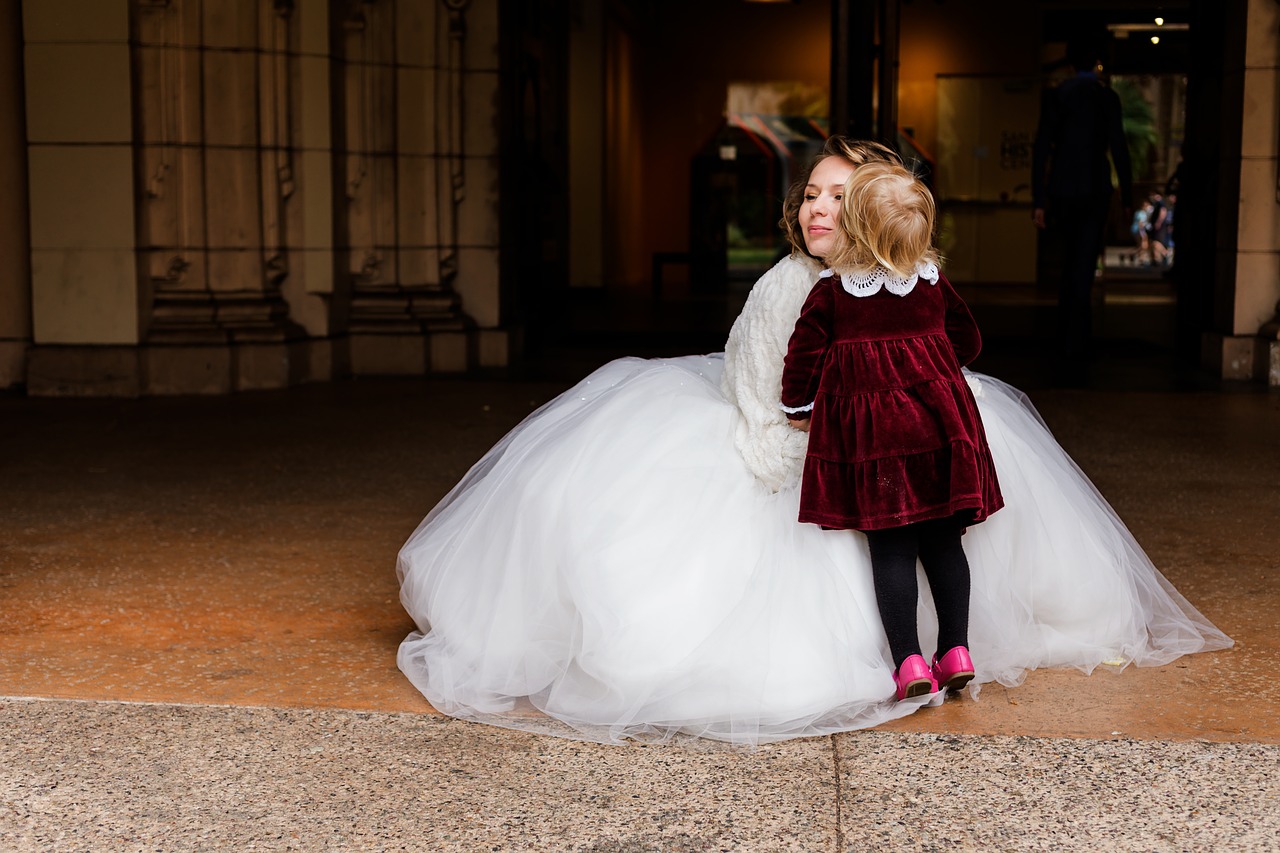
<point>217,110</point>
<point>419,161</point>
<point>1258,266</point>
<point>15,247</point>
<point>310,285</point>
<point>84,277</point>
<point>1246,344</point>
<point>473,69</point>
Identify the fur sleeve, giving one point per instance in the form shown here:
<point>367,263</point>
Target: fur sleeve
<point>772,449</point>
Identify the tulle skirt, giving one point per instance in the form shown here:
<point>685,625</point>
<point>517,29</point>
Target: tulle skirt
<point>611,571</point>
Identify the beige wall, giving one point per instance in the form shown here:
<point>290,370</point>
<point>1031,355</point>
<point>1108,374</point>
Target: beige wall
<point>225,195</point>
<point>222,198</point>
<point>84,283</point>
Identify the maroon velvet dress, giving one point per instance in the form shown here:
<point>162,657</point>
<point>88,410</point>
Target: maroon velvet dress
<point>896,436</point>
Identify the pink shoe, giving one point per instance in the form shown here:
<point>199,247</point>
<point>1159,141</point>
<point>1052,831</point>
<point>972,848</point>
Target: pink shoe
<point>914,678</point>
<point>954,670</point>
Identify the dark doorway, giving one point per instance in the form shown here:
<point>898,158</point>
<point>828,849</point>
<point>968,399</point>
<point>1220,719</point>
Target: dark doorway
<point>534,170</point>
<point>664,187</point>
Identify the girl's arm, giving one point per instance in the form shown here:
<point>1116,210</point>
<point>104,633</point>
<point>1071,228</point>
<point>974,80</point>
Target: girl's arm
<point>802,368</point>
<point>962,331</point>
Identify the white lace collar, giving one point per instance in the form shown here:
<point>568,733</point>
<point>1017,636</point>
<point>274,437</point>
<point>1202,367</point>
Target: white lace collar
<point>870,283</point>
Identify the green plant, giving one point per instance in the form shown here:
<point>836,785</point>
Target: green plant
<point>1139,119</point>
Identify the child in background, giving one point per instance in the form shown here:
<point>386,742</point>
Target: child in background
<point>897,448</point>
<point>1138,230</point>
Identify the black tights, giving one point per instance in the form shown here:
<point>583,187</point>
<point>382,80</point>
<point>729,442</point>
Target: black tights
<point>893,567</point>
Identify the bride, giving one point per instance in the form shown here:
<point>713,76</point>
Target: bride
<point>626,563</point>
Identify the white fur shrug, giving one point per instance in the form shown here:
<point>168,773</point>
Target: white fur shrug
<point>752,381</point>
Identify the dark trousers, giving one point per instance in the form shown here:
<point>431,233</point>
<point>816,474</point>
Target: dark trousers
<point>1079,223</point>
<point>936,543</point>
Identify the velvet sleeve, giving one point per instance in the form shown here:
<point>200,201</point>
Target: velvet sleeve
<point>962,331</point>
<point>802,367</point>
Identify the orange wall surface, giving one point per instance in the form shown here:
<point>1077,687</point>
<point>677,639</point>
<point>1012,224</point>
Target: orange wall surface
<point>948,38</point>
<point>684,67</point>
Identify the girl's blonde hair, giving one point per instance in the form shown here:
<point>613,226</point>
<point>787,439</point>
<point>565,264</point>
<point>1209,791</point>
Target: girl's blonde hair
<point>887,219</point>
<point>856,151</point>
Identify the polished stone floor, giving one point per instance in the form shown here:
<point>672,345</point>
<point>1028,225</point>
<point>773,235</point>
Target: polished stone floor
<point>199,616</point>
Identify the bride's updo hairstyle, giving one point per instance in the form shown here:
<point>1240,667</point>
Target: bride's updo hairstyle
<point>856,151</point>
<point>887,220</point>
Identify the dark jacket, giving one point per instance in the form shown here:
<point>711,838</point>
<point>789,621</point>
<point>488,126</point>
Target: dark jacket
<point>1079,123</point>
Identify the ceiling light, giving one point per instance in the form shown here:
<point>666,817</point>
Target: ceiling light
<point>1155,39</point>
<point>1159,22</point>
<point>1118,30</point>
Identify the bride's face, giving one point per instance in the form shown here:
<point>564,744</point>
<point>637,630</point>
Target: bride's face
<point>820,210</point>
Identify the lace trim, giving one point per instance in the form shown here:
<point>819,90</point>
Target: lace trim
<point>872,282</point>
<point>975,385</point>
<point>797,410</point>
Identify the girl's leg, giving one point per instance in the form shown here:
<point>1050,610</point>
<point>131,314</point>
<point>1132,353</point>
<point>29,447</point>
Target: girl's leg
<point>947,569</point>
<point>893,569</point>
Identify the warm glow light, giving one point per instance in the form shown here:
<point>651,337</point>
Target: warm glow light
<point>1120,30</point>
<point>1155,39</point>
<point>1159,22</point>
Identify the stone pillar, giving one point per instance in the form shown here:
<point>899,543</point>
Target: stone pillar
<point>310,285</point>
<point>222,191</point>
<point>217,109</point>
<point>419,161</point>
<point>15,246</point>
<point>84,278</point>
<point>1251,254</point>
<point>473,72</point>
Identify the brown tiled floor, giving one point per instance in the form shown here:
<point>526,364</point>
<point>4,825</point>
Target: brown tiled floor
<point>240,550</point>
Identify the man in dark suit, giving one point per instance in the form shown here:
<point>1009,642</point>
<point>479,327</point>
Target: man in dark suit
<point>1071,183</point>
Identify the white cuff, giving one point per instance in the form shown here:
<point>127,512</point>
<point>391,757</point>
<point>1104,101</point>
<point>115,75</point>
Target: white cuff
<point>796,411</point>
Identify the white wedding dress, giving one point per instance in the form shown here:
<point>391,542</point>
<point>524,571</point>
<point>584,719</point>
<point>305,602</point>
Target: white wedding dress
<point>626,563</point>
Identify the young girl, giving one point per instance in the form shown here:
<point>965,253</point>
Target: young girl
<point>897,447</point>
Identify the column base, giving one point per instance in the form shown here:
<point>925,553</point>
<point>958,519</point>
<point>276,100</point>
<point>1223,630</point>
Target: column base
<point>224,367</point>
<point>84,371</point>
<point>13,363</point>
<point>414,354</point>
<point>133,371</point>
<point>1248,358</point>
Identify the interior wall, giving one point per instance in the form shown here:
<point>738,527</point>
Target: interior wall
<point>235,194</point>
<point>84,280</point>
<point>686,56</point>
<point>946,37</point>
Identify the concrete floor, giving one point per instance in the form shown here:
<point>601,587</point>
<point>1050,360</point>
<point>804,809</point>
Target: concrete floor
<point>199,620</point>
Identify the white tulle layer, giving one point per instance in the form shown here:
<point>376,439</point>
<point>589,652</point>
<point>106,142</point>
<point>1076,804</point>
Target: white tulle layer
<point>610,570</point>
